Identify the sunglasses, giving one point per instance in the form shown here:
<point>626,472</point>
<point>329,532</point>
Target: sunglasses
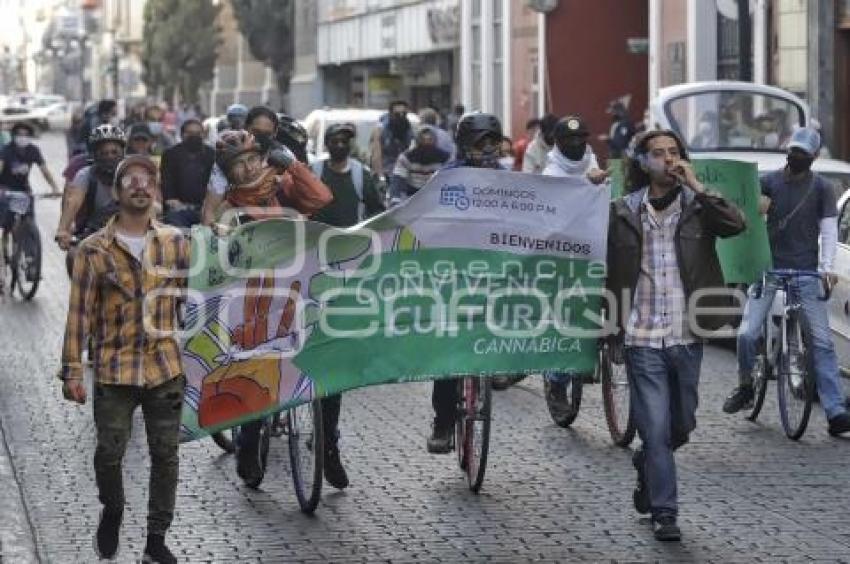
<point>140,180</point>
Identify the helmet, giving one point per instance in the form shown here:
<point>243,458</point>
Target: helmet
<point>238,111</point>
<point>231,144</point>
<point>475,125</point>
<point>290,127</point>
<point>104,133</point>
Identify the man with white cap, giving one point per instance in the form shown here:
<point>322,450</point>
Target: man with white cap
<point>803,231</point>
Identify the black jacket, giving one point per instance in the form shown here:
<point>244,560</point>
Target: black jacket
<point>705,217</point>
<point>186,185</point>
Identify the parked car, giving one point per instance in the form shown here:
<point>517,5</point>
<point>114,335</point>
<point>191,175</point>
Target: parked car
<point>365,120</point>
<point>753,123</point>
<point>839,303</point>
<point>740,121</point>
<point>51,111</point>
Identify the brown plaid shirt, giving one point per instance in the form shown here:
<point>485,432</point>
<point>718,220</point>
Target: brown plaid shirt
<point>659,317</point>
<point>116,301</point>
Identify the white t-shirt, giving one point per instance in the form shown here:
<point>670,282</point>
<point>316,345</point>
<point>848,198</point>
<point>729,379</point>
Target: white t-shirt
<point>135,244</point>
<point>218,182</point>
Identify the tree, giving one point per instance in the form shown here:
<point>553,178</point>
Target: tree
<point>267,26</point>
<point>179,45</point>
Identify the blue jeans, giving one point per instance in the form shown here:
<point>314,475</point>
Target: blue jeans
<point>663,385</point>
<point>816,326</point>
<point>562,377</point>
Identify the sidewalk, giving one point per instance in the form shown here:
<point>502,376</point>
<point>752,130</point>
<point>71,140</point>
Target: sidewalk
<point>16,537</point>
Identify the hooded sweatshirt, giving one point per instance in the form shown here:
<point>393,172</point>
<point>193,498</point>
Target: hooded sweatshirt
<point>559,165</point>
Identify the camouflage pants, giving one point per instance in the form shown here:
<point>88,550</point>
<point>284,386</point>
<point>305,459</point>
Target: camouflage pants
<point>113,416</point>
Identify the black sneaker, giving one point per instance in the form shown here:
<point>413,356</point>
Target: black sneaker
<point>106,537</point>
<point>664,528</point>
<point>440,441</point>
<point>839,424</point>
<point>156,552</point>
<point>334,472</point>
<point>641,494</point>
<point>740,398</point>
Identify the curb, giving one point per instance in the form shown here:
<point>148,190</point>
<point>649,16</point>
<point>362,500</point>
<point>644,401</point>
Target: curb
<point>17,535</point>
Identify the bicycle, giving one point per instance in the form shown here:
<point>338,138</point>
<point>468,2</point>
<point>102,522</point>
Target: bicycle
<point>472,428</point>
<point>783,354</point>
<point>616,395</point>
<point>21,246</point>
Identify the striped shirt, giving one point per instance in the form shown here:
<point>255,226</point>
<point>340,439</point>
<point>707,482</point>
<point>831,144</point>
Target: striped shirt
<point>415,174</point>
<point>127,308</point>
<point>658,318</point>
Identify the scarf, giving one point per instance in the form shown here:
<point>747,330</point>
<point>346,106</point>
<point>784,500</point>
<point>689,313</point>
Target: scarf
<point>559,165</point>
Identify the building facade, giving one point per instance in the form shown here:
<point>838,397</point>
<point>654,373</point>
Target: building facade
<point>370,53</point>
<point>239,77</point>
<point>802,46</point>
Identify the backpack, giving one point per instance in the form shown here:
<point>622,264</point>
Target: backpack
<point>90,219</point>
<point>358,177</point>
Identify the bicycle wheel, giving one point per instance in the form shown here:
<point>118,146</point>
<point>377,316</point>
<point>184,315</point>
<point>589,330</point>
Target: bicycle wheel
<point>565,410</point>
<point>306,452</point>
<point>794,385</point>
<point>616,399</point>
<point>26,259</point>
<point>477,408</point>
<point>761,375</point>
<point>225,440</point>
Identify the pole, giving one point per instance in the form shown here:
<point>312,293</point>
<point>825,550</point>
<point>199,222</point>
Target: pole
<point>745,41</point>
<point>115,72</point>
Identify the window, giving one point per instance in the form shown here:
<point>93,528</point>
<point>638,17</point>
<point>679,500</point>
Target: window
<point>498,60</point>
<point>476,55</point>
<point>734,120</point>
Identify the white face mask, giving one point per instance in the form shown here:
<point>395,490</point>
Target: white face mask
<point>507,162</point>
<point>22,140</point>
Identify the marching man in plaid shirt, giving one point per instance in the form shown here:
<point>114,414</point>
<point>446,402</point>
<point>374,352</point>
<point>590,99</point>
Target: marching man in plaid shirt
<point>127,281</point>
<point>661,258</point>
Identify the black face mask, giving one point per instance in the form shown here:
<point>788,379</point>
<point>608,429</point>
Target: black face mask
<point>338,153</point>
<point>798,164</point>
<point>193,143</point>
<point>105,169</point>
<point>662,203</point>
<point>574,152</point>
<point>264,140</point>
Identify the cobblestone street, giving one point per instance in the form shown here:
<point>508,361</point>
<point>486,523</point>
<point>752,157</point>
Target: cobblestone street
<point>747,493</point>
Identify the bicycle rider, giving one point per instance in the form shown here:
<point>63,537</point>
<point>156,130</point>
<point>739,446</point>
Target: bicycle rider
<point>801,219</point>
<point>89,200</point>
<point>269,181</point>
<point>479,137</point>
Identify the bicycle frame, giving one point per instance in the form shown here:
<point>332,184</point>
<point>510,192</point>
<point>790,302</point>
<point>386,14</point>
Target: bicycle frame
<point>781,307</point>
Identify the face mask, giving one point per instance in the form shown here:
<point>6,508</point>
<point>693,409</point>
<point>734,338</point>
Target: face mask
<point>22,141</point>
<point>264,140</point>
<point>799,164</point>
<point>155,127</point>
<point>105,168</point>
<point>193,142</point>
<point>486,158</point>
<point>338,153</point>
<point>662,203</point>
<point>575,152</point>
